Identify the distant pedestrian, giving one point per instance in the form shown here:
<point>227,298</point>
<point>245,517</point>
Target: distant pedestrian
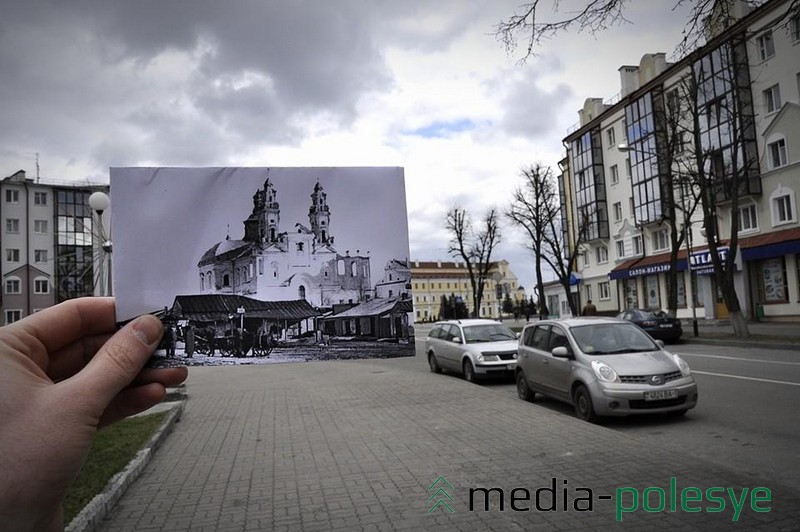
<point>589,309</point>
<point>169,340</point>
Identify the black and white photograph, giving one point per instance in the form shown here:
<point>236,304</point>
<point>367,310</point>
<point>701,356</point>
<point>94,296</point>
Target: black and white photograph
<point>265,265</point>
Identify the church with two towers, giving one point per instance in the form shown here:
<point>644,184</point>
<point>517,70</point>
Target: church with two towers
<point>273,264</point>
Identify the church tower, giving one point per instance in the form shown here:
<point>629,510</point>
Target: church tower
<point>319,216</point>
<point>264,222</point>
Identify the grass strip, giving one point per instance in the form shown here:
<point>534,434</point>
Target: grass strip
<point>112,449</point>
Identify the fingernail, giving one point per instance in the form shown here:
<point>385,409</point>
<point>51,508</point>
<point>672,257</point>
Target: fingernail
<point>147,329</point>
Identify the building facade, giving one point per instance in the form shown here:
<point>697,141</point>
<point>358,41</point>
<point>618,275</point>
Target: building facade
<point>629,163</point>
<point>51,244</point>
<point>433,280</point>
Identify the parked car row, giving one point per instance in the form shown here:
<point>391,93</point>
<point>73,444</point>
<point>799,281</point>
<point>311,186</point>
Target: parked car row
<point>602,366</point>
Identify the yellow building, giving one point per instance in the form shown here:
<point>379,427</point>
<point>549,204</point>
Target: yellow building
<point>431,280</point>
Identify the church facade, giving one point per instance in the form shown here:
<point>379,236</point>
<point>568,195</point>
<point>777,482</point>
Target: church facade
<point>271,263</point>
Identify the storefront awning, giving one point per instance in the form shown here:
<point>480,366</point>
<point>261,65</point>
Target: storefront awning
<point>775,244</point>
<point>650,265</point>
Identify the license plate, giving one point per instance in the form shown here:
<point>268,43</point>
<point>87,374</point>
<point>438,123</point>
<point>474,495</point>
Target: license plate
<point>660,394</point>
<point>666,326</point>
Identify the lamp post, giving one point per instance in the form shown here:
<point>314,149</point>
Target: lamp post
<point>99,203</point>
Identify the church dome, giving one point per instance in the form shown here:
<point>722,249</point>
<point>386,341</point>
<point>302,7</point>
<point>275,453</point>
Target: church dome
<point>222,248</point>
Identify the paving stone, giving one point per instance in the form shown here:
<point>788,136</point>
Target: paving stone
<point>354,445</point>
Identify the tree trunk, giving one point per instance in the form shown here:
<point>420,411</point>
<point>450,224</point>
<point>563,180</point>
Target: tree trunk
<point>739,324</point>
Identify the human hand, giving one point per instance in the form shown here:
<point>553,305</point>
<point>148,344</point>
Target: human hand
<point>66,372</point>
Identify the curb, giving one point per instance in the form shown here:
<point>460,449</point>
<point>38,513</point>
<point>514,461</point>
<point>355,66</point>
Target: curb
<point>92,515</point>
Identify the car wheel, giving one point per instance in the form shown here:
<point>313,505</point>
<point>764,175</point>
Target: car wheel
<point>583,404</point>
<point>523,390</point>
<point>433,364</point>
<point>469,372</point>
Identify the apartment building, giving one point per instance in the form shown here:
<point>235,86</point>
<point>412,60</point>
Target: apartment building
<point>432,280</point>
<point>736,100</point>
<point>51,249</point>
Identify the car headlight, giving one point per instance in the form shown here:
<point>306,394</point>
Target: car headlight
<point>515,356</point>
<point>682,365</point>
<point>604,372</point>
<point>479,357</point>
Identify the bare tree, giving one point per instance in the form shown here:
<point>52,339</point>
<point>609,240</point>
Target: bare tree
<point>720,165</point>
<point>533,208</point>
<point>475,248</point>
<point>530,24</point>
<point>537,209</point>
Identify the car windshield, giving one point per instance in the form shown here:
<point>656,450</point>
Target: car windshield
<point>612,338</point>
<point>491,332</point>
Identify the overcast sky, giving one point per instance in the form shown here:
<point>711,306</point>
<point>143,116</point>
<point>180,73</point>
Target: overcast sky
<point>423,85</point>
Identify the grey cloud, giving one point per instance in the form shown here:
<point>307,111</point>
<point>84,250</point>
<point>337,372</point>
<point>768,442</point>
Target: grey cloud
<point>532,111</point>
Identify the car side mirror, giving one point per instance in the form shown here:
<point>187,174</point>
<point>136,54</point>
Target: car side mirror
<point>560,352</point>
<point>456,339</point>
<point>660,343</point>
<point>519,335</point>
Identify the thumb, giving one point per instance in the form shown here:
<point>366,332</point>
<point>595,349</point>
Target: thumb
<point>120,360</point>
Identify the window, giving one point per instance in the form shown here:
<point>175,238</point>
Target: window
<point>588,292</point>
<point>601,254</point>
<point>680,279</point>
<point>631,293</point>
<point>585,257</point>
<point>628,168</point>
<point>41,286</point>
<point>40,198</point>
<point>652,294</point>
<point>660,240</point>
<point>630,204</point>
<point>614,174</point>
<point>39,255</point>
<point>13,315</point>
<point>611,138</point>
<point>12,225</point>
<point>766,45</point>
<point>12,196</point>
<point>618,211</point>
<point>794,28</point>
<point>782,209</point>
<point>620,246</point>
<point>772,98</point>
<point>638,248</point>
<point>40,227</point>
<point>747,218</point>
<point>772,287</point>
<point>777,153</point>
<point>13,286</point>
<point>12,255</point>
<point>603,290</point>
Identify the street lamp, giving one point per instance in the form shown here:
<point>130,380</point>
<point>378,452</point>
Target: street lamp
<point>99,203</point>
<point>687,231</point>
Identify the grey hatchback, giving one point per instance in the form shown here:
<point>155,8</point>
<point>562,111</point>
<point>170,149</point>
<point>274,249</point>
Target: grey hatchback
<point>473,347</point>
<point>603,367</point>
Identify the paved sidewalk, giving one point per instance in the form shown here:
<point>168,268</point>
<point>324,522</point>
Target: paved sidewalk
<point>354,445</point>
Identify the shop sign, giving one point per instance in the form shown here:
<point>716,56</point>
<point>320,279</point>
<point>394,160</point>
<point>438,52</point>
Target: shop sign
<point>701,262</point>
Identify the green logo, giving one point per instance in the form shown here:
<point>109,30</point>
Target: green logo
<point>441,492</point>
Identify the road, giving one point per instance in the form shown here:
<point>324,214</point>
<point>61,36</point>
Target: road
<point>746,416</point>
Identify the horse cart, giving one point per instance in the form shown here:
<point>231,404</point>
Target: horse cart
<point>234,345</point>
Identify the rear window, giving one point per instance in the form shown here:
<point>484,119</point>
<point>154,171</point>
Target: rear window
<point>436,332</point>
<point>493,332</point>
<point>536,337</point>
